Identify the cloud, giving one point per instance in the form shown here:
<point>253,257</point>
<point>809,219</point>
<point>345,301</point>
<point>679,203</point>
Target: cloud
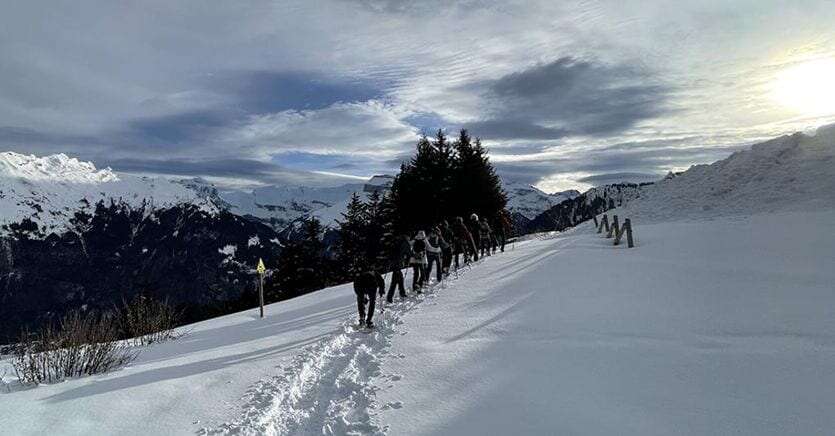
<point>189,128</point>
<point>371,128</point>
<point>276,91</point>
<point>545,83</point>
<point>568,96</point>
<point>237,169</point>
<point>509,128</point>
<point>627,161</point>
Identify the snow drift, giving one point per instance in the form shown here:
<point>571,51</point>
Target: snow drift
<point>793,172</point>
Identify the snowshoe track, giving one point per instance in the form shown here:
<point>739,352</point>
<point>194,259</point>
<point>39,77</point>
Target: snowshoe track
<point>328,387</point>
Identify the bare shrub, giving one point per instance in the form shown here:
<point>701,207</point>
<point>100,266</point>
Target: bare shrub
<point>147,321</point>
<point>3,381</point>
<point>81,344</point>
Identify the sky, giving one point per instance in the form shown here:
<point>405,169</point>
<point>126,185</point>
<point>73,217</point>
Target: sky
<point>565,94</point>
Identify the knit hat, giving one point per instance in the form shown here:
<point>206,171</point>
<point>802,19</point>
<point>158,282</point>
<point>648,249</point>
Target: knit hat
<point>474,217</point>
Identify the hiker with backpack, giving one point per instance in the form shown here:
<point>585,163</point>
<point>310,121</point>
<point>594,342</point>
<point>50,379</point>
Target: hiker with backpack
<point>367,285</point>
<point>418,261</point>
<point>399,256</point>
<point>434,253</point>
<point>474,227</point>
<point>503,228</point>
<point>449,246</point>
<point>486,235</point>
<point>464,243</point>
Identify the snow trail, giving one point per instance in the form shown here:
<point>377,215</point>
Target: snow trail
<point>329,388</point>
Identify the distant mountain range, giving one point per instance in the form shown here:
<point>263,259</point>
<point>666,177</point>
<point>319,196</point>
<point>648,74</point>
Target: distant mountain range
<point>72,235</point>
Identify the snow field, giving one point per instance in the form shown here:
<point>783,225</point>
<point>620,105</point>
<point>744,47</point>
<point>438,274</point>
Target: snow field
<point>706,327</point>
<point>330,387</point>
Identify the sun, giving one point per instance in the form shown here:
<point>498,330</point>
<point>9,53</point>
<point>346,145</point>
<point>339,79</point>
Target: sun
<point>807,88</point>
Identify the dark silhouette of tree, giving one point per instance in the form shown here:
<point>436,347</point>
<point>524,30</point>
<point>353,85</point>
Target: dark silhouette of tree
<point>352,245</point>
<point>301,265</point>
<point>443,180</point>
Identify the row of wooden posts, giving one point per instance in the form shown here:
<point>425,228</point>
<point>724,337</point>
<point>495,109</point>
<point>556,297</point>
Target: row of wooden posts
<point>615,229</point>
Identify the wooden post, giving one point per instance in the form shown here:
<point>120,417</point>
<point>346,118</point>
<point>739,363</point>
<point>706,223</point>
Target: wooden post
<point>613,227</point>
<point>261,292</point>
<point>616,229</point>
<point>604,222</point>
<point>629,241</point>
<point>596,225</point>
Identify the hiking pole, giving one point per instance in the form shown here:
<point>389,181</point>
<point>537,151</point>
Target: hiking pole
<point>383,297</point>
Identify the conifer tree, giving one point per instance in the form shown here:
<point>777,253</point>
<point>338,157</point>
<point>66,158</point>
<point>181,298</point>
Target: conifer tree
<point>301,262</point>
<point>374,235</point>
<point>444,180</point>
<point>352,245</point>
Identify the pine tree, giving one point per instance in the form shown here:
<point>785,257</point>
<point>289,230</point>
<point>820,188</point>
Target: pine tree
<point>301,263</point>
<point>374,234</point>
<point>351,248</point>
<point>477,187</point>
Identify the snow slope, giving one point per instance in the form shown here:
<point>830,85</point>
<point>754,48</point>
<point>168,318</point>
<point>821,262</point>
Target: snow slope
<point>707,327</point>
<point>49,190</point>
<point>793,172</point>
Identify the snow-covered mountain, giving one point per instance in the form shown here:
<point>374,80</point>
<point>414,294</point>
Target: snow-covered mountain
<point>75,236</point>
<point>577,209</point>
<point>280,206</point>
<point>49,191</point>
<point>529,201</point>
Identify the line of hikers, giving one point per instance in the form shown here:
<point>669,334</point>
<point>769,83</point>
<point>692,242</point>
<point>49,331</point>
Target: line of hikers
<point>442,247</point>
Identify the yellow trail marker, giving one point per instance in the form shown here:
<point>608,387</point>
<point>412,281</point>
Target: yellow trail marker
<point>261,270</point>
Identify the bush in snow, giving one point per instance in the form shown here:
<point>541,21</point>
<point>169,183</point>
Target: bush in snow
<point>81,344</point>
<point>147,321</point>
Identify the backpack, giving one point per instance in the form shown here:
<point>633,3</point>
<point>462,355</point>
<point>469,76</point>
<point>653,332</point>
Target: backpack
<point>419,246</point>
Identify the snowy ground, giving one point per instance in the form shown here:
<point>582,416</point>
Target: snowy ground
<point>721,326</point>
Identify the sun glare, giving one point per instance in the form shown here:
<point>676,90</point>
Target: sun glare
<point>808,88</point>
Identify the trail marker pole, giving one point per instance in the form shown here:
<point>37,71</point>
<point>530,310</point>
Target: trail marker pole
<point>261,270</point>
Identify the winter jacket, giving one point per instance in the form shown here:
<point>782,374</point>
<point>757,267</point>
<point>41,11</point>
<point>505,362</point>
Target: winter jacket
<point>433,248</point>
<point>475,230</point>
<point>504,226</point>
<point>485,231</point>
<point>463,238</point>
<point>368,282</point>
<point>449,237</point>
<point>400,253</point>
<point>418,253</point>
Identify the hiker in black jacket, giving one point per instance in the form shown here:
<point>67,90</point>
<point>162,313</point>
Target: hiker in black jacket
<point>399,256</point>
<point>464,243</point>
<point>434,253</point>
<point>448,248</point>
<point>366,285</point>
<point>418,261</point>
<point>486,236</point>
<point>474,227</point>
